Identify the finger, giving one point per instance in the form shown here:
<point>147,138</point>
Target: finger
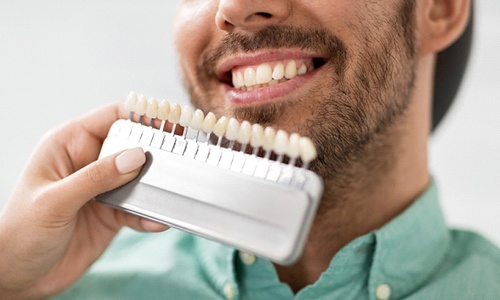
<point>68,195</point>
<point>98,121</point>
<point>62,146</point>
<point>152,226</point>
<point>139,223</point>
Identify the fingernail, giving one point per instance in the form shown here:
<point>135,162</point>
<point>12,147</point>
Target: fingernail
<point>130,160</point>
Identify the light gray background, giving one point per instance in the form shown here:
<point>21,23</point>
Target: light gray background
<point>59,59</point>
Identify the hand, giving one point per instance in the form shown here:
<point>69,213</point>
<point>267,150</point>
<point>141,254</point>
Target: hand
<point>50,229</point>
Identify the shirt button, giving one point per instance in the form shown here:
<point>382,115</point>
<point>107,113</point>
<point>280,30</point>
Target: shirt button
<point>247,258</point>
<point>383,291</point>
<point>228,291</point>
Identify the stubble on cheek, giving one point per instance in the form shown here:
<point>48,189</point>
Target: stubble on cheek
<point>375,95</point>
<point>364,91</point>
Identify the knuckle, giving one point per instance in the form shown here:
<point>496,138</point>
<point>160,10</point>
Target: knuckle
<point>97,174</point>
<point>43,201</point>
<point>42,195</point>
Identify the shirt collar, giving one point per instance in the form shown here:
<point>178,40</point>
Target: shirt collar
<point>402,254</point>
<point>410,247</point>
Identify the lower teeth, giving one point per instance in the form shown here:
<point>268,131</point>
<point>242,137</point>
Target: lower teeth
<point>257,86</point>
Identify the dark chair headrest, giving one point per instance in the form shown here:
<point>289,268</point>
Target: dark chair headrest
<point>450,69</point>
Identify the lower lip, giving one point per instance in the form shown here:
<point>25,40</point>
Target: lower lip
<point>267,94</point>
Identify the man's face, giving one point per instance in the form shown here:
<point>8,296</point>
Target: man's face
<point>348,67</point>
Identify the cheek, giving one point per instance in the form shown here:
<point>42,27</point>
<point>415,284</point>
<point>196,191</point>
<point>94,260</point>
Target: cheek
<point>193,32</point>
<point>342,18</point>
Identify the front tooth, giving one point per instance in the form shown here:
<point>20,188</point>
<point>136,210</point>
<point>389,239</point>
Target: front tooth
<point>163,110</point>
<point>240,80</point>
<point>249,77</point>
<point>234,80</point>
<point>279,71</point>
<point>237,80</point>
<point>186,116</point>
<point>152,110</point>
<point>293,146</point>
<point>221,126</point>
<point>291,69</point>
<point>141,105</point>
<point>307,150</point>
<point>175,113</point>
<point>264,74</point>
<point>302,70</point>
<point>280,142</point>
<point>233,126</point>
<point>257,136</point>
<point>269,136</point>
<point>197,121</point>
<point>131,101</point>
<point>209,123</point>
<point>244,133</point>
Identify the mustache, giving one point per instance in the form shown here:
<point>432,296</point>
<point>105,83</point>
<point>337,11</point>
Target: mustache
<point>274,37</point>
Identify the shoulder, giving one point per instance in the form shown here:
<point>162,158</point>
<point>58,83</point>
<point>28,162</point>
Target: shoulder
<point>148,265</point>
<point>474,252</point>
<point>470,270</point>
<point>468,243</point>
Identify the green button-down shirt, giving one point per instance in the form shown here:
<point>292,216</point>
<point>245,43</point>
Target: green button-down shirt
<point>415,256</point>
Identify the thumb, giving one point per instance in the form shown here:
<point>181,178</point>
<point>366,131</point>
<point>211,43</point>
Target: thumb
<point>103,175</point>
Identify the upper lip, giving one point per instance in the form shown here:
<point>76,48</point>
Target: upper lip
<point>225,66</point>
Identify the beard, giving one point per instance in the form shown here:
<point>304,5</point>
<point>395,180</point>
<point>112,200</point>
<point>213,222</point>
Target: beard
<point>365,90</point>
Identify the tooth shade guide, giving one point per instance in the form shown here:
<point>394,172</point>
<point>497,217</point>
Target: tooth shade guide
<point>197,121</point>
<point>244,134</point>
<point>152,109</point>
<point>163,112</point>
<point>172,131</point>
<point>238,192</point>
<point>130,104</point>
<point>268,141</point>
<point>255,151</point>
<point>232,130</point>
<point>220,129</point>
<point>141,107</point>
<point>185,119</point>
<point>131,101</point>
<point>232,135</point>
<point>186,116</point>
<point>174,116</point>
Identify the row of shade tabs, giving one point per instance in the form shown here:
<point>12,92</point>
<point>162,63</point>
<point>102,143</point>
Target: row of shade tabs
<point>255,135</point>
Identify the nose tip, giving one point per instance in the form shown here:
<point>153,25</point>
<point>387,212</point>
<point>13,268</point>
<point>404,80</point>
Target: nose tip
<point>250,15</point>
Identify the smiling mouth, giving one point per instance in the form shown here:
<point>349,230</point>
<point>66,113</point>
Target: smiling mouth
<point>252,77</point>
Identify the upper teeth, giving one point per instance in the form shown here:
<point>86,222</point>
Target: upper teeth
<point>250,77</point>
